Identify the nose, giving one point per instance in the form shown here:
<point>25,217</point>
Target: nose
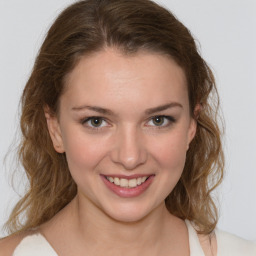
<point>129,149</point>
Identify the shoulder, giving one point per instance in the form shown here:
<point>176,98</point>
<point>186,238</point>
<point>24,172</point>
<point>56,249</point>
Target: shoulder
<point>229,244</point>
<point>8,244</point>
<point>29,244</point>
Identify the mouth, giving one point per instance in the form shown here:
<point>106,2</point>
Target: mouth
<point>127,183</point>
<point>128,186</point>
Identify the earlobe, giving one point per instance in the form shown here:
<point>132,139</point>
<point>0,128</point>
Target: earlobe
<point>54,130</point>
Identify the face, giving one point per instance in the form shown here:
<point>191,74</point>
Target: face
<point>125,126</point>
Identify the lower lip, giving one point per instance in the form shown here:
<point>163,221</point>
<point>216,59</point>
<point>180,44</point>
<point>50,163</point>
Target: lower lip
<point>128,192</point>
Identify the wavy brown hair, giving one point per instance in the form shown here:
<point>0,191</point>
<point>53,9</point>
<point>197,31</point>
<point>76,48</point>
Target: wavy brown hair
<point>129,26</point>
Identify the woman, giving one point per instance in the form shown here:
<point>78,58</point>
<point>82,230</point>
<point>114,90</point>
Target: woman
<point>121,144</point>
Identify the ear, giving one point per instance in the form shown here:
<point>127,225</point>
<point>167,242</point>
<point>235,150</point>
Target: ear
<point>197,110</point>
<point>54,130</point>
<point>193,124</point>
<point>191,131</point>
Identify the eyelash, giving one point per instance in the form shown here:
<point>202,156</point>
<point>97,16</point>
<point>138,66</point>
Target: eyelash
<point>171,120</point>
<point>87,120</point>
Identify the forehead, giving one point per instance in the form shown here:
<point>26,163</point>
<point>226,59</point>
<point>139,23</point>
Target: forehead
<point>110,76</point>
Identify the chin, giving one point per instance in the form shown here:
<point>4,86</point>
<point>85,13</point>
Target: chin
<point>129,213</point>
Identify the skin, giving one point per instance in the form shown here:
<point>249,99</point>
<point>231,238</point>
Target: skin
<point>129,141</point>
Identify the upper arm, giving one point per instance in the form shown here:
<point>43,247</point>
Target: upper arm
<point>8,244</point>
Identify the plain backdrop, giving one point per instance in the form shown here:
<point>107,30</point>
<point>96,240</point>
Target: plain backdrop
<point>226,30</point>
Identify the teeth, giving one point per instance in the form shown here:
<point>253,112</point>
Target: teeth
<point>111,179</point>
<point>116,181</point>
<point>125,183</point>
<point>143,179</point>
<point>132,183</point>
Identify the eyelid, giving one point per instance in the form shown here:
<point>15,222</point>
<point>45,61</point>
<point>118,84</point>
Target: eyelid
<point>86,120</point>
<point>170,119</point>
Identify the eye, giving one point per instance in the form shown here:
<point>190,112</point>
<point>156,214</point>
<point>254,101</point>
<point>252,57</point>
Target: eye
<point>95,122</point>
<point>161,121</point>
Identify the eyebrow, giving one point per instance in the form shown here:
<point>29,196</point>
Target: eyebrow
<point>95,108</point>
<point>149,111</point>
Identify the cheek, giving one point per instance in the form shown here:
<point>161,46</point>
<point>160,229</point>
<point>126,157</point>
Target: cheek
<point>170,155</point>
<point>83,152</point>
<point>170,152</point>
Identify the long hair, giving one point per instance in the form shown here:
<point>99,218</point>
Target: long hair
<point>130,26</point>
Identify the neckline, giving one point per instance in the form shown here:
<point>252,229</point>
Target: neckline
<point>194,243</point>
<point>35,243</point>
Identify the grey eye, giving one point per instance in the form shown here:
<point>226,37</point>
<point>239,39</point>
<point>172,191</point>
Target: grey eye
<point>161,121</point>
<point>158,120</point>
<point>96,121</point>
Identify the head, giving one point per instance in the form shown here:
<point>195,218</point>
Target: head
<point>131,28</point>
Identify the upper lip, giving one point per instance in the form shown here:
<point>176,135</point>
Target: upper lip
<point>128,177</point>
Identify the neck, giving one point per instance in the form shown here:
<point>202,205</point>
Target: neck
<point>88,229</point>
<point>100,229</point>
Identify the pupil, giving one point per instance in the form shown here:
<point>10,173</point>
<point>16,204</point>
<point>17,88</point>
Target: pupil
<point>158,120</point>
<point>96,122</point>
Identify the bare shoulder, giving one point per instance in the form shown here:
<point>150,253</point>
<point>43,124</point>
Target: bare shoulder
<point>8,244</point>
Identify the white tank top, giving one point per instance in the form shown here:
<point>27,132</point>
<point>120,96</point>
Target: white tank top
<point>227,245</point>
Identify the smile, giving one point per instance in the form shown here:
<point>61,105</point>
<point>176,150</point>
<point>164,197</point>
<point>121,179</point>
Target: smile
<point>127,183</point>
<point>128,186</point>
